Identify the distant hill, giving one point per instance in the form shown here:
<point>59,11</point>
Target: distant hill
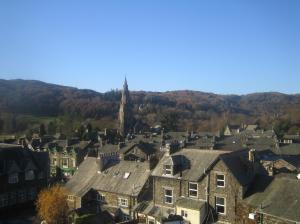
<point>194,110</point>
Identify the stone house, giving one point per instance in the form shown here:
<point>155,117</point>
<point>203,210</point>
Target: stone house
<point>109,185</point>
<point>23,174</point>
<point>232,130</point>
<point>66,155</point>
<point>198,185</point>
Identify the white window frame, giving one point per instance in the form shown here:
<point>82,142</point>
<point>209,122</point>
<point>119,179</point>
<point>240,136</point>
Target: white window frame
<point>54,161</point>
<point>123,202</point>
<point>13,178</point>
<point>220,180</point>
<point>193,190</point>
<point>100,197</point>
<point>168,196</point>
<point>150,220</point>
<point>62,162</point>
<point>220,205</point>
<point>168,171</point>
<point>184,213</point>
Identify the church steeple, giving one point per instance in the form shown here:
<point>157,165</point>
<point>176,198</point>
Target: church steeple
<point>125,113</point>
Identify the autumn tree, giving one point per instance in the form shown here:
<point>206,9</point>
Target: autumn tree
<point>52,205</point>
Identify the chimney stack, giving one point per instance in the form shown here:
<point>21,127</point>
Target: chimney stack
<point>100,163</point>
<point>251,155</point>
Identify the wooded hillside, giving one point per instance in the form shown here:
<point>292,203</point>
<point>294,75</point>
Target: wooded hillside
<point>190,109</point>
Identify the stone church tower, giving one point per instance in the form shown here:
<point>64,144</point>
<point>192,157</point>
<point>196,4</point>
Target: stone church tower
<point>125,113</point>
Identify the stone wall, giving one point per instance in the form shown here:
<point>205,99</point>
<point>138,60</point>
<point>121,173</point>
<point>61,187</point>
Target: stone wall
<point>232,192</point>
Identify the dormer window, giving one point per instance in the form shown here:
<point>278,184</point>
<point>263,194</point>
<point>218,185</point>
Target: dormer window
<point>29,175</point>
<point>168,170</point>
<point>13,178</point>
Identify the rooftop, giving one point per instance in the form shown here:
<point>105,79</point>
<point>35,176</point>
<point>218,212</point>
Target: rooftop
<point>123,177</point>
<point>193,163</point>
<point>277,197</point>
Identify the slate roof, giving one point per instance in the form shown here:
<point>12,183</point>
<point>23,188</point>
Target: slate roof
<point>230,143</point>
<point>262,143</point>
<point>147,148</point>
<point>82,179</point>
<point>192,163</point>
<point>237,163</point>
<point>277,197</point>
<point>251,127</point>
<point>109,148</point>
<point>190,203</point>
<point>149,209</point>
<point>14,157</point>
<point>290,149</point>
<point>292,137</point>
<point>111,179</point>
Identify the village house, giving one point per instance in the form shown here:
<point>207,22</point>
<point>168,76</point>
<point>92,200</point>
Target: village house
<point>65,156</point>
<point>23,174</point>
<point>232,130</point>
<point>198,185</point>
<point>109,185</point>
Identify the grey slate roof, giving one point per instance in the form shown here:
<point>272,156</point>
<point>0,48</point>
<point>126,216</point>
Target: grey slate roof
<point>82,180</point>
<point>236,162</point>
<point>16,158</point>
<point>290,149</point>
<point>278,198</point>
<point>193,163</point>
<point>292,137</point>
<point>190,203</point>
<point>111,179</point>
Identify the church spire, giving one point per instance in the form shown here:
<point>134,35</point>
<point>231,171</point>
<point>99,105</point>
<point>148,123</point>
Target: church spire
<point>125,113</point>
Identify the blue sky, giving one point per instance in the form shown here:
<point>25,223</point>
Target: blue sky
<point>239,46</point>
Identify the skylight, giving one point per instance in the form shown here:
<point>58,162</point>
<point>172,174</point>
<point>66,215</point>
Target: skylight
<point>126,175</point>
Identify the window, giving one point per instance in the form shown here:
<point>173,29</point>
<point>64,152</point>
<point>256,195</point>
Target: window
<point>54,161</point>
<point>13,178</point>
<point>151,221</point>
<point>3,200</point>
<point>123,202</point>
<point>193,190</point>
<point>220,180</point>
<point>184,213</point>
<point>126,175</point>
<point>100,197</point>
<point>64,163</point>
<point>126,218</point>
<point>220,205</point>
<point>29,175</point>
<point>168,170</point>
<point>168,196</point>
<point>70,197</point>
